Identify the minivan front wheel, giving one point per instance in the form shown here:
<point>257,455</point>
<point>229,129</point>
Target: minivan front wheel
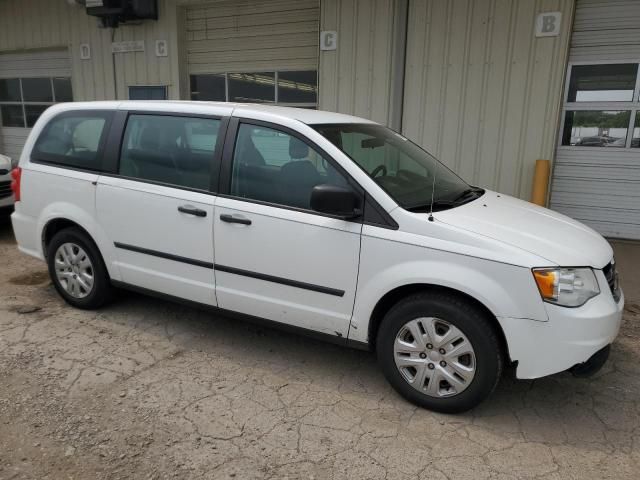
<point>77,270</point>
<point>439,351</point>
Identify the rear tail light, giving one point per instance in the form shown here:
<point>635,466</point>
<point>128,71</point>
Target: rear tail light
<point>16,175</point>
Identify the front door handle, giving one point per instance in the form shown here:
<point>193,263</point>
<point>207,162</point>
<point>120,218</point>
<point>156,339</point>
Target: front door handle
<point>189,210</point>
<point>233,219</point>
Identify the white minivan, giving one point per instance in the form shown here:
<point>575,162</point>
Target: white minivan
<point>320,222</point>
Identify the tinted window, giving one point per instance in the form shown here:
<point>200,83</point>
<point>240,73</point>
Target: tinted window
<point>148,93</point>
<point>298,87</point>
<point>62,89</point>
<point>37,90</point>
<point>12,115</point>
<point>252,87</point>
<point>173,150</point>
<point>596,128</point>
<point>602,83</point>
<point>74,139</point>
<point>208,87</point>
<point>275,167</point>
<point>635,140</point>
<point>10,90</point>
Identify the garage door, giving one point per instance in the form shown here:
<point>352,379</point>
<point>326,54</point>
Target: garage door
<point>259,51</point>
<point>596,175</point>
<point>29,83</point>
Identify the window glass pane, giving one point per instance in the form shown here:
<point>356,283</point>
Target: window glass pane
<point>405,171</point>
<point>33,113</point>
<point>62,89</point>
<point>12,115</point>
<point>10,90</point>
<point>148,93</point>
<point>596,128</point>
<point>298,87</point>
<point>73,140</point>
<point>252,87</point>
<point>272,166</point>
<point>208,87</point>
<point>174,150</point>
<point>602,83</point>
<point>635,141</point>
<point>37,90</point>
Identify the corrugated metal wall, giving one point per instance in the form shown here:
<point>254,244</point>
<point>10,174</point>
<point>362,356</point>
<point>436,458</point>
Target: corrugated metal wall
<point>36,24</point>
<point>357,78</point>
<point>229,35</point>
<point>596,185</point>
<point>482,92</point>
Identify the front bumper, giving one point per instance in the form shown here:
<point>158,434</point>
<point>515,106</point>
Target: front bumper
<point>570,337</point>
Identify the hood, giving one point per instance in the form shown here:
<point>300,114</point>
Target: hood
<point>545,233</point>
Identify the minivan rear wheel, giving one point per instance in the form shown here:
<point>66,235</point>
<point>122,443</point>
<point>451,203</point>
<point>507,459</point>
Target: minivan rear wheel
<point>77,270</point>
<point>439,351</point>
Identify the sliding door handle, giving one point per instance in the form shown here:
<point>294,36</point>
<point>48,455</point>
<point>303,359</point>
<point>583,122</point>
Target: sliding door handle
<point>189,210</point>
<point>233,219</point>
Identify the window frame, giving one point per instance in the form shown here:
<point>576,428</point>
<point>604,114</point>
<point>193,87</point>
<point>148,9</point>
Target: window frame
<point>23,104</point>
<point>216,158</point>
<point>226,173</point>
<point>58,160</point>
<point>632,106</point>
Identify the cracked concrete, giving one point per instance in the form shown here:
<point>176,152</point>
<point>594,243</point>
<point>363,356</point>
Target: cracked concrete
<point>150,389</point>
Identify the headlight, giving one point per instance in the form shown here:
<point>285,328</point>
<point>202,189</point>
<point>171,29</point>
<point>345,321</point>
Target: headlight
<point>14,163</point>
<point>567,287</point>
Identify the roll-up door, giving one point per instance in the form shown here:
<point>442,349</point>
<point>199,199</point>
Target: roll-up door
<point>29,83</point>
<point>596,175</point>
<point>262,51</point>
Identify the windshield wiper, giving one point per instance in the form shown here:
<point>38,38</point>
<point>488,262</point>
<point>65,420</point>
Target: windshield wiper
<point>465,193</point>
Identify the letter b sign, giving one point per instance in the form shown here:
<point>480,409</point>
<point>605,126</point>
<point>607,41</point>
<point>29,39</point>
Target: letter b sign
<point>548,24</point>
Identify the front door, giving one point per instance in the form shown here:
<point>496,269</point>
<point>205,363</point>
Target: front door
<point>275,257</point>
<point>158,213</point>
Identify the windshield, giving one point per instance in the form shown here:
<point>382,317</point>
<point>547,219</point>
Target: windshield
<point>404,170</point>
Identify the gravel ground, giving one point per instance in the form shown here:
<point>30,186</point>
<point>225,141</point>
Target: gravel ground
<point>149,389</point>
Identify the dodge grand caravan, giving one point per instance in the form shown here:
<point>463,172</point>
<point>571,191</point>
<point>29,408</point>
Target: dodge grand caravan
<point>320,222</point>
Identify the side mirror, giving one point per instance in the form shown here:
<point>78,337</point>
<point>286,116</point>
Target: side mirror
<point>334,200</point>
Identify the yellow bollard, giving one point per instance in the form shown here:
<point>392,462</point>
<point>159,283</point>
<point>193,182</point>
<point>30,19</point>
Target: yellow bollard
<point>541,183</point>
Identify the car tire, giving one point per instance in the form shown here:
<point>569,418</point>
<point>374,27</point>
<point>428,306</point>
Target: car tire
<point>447,377</point>
<point>77,270</point>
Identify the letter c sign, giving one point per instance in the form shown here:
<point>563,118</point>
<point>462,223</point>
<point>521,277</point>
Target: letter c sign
<point>328,40</point>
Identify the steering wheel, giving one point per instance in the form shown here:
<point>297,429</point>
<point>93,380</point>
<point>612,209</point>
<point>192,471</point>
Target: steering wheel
<point>378,169</point>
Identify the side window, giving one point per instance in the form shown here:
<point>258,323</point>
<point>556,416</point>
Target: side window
<point>74,140</point>
<point>173,150</point>
<point>275,167</point>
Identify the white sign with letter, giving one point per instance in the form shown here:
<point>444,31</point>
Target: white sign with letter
<point>548,24</point>
<point>328,40</point>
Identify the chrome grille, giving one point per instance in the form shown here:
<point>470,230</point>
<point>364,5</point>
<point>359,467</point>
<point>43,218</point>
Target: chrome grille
<point>5,189</point>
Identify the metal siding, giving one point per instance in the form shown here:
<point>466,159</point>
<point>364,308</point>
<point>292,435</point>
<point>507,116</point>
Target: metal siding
<point>233,36</point>
<point>356,78</point>
<point>37,24</point>
<point>601,186</point>
<point>481,91</point>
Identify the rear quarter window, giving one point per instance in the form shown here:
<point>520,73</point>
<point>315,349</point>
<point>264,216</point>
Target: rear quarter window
<point>74,139</point>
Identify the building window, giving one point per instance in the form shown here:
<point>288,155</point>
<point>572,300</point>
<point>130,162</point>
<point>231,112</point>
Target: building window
<point>602,106</point>
<point>148,93</point>
<point>290,88</point>
<point>22,100</point>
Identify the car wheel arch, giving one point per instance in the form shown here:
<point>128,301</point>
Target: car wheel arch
<point>397,294</point>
